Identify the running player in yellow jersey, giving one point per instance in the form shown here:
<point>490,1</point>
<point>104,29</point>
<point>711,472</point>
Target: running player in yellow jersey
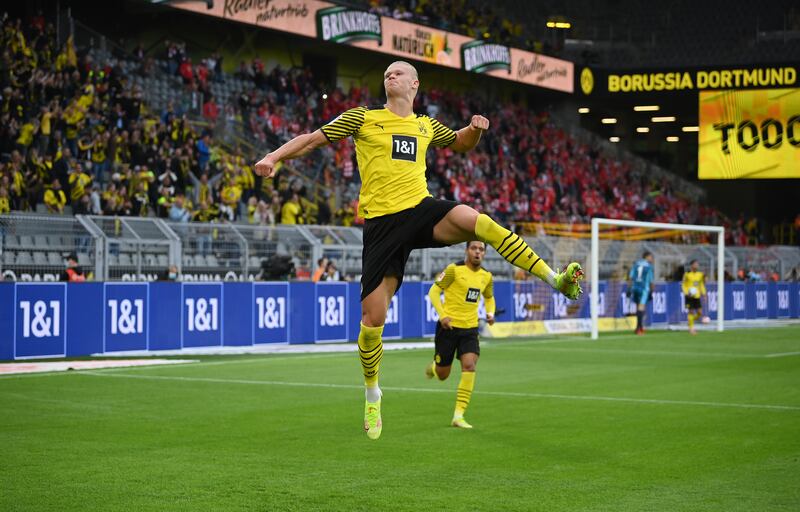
<point>457,330</point>
<point>391,141</point>
<point>693,287</point>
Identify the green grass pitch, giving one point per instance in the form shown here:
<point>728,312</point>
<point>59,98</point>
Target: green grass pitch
<point>660,422</point>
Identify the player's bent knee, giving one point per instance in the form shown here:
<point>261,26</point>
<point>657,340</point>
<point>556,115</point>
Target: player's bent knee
<point>372,315</point>
<point>443,372</point>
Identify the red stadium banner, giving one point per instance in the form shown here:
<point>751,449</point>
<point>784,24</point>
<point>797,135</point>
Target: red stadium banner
<point>344,25</point>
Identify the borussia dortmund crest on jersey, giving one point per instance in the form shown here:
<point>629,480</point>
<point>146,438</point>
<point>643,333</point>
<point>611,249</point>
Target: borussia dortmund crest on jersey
<point>422,129</point>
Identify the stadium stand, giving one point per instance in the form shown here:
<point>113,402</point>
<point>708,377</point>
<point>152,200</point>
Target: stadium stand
<point>87,132</point>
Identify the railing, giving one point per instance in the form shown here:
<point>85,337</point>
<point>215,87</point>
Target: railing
<point>33,248</point>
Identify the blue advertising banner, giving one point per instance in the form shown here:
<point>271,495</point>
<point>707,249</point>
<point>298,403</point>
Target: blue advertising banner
<point>711,307</point>
<point>735,301</point>
<point>165,316</point>
<point>237,317</point>
<point>7,320</point>
<point>200,311</point>
<point>782,301</point>
<point>40,320</point>
<point>657,307</point>
<point>429,314</point>
<point>271,312</point>
<point>331,300</point>
<point>125,317</point>
<point>757,298</point>
<point>411,296</point>
<point>58,319</point>
<point>85,319</point>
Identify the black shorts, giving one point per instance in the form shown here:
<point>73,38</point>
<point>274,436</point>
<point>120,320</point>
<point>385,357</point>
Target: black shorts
<point>389,239</point>
<point>454,342</point>
<point>693,303</point>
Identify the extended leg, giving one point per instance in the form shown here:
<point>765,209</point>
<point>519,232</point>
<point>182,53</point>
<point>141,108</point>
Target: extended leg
<point>463,223</point>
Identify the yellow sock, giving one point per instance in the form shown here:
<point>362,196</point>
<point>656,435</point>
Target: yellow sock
<point>513,248</point>
<point>691,320</point>
<point>433,369</point>
<point>464,393</point>
<point>370,351</point>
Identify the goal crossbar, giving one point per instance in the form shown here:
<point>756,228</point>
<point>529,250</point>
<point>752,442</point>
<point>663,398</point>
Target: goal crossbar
<point>595,262</point>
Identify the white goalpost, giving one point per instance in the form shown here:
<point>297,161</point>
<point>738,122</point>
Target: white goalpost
<point>595,262</point>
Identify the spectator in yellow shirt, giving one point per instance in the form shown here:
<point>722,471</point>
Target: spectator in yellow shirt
<point>54,198</point>
<point>5,202</point>
<point>78,183</point>
<point>292,212</point>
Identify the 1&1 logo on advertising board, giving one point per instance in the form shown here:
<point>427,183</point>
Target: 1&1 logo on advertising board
<point>331,315</point>
<point>343,25</point>
<point>40,320</point>
<point>201,315</point>
<point>271,301</point>
<point>125,317</point>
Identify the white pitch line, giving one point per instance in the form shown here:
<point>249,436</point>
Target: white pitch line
<point>783,354</point>
<point>249,360</point>
<point>439,390</point>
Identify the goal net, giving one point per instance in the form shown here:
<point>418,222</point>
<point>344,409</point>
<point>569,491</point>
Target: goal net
<point>616,246</point>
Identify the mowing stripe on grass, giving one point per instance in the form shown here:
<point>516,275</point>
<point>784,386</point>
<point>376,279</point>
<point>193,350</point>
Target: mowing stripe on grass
<point>439,390</point>
<point>783,354</point>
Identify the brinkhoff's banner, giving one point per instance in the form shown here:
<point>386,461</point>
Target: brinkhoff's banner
<point>345,25</point>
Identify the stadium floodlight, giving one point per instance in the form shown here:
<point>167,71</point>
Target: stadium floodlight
<point>614,139</point>
<point>642,129</point>
<point>646,108</point>
<point>583,110</point>
<point>673,138</point>
<point>609,120</point>
<point>691,128</point>
<point>640,236</point>
<point>663,119</point>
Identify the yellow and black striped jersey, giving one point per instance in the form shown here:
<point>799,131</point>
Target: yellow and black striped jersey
<point>462,288</point>
<point>390,151</point>
<point>694,284</point>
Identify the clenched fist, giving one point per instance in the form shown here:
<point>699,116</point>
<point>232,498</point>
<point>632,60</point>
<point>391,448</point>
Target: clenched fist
<point>479,123</point>
<point>266,166</point>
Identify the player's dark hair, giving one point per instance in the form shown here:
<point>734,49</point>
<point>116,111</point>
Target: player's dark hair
<point>692,262</point>
<point>646,254</point>
<point>470,242</point>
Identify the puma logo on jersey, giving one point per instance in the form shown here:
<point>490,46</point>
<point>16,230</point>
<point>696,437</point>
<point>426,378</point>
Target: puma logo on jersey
<point>380,126</point>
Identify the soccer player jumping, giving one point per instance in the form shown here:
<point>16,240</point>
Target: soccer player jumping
<point>391,141</point>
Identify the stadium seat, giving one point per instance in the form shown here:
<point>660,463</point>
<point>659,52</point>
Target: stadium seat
<point>211,261</point>
<point>8,258</point>
<point>188,260</point>
<point>54,258</point>
<point>40,258</point>
<point>162,260</point>
<point>24,258</point>
<point>83,259</point>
